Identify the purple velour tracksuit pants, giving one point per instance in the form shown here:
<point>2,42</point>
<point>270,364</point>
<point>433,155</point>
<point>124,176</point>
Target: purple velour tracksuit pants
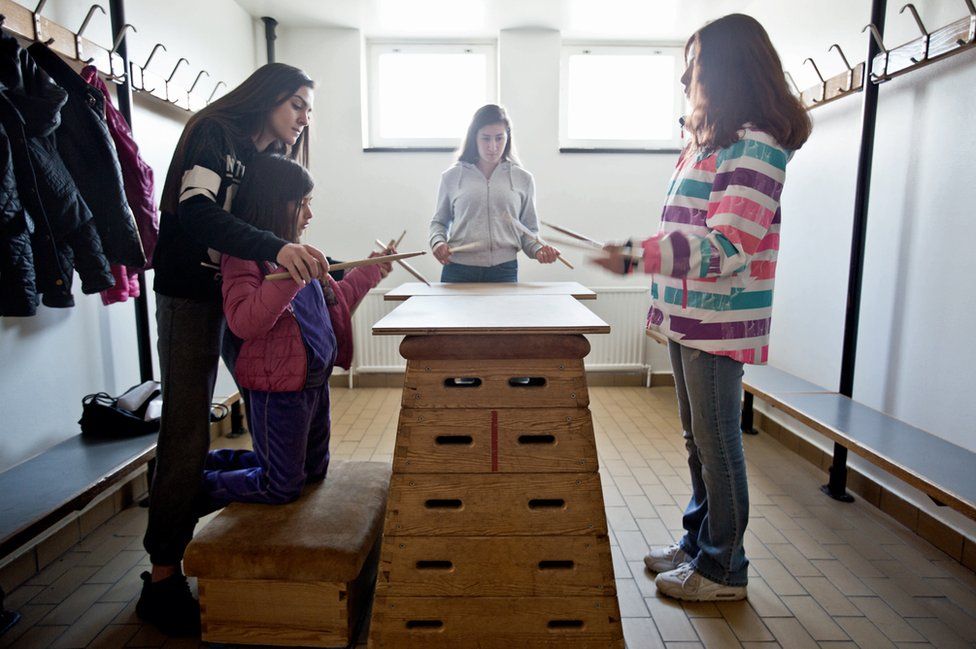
<point>290,434</point>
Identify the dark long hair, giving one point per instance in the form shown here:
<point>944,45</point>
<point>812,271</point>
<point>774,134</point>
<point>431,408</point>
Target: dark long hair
<point>271,193</point>
<point>487,114</point>
<point>240,114</point>
<point>737,78</point>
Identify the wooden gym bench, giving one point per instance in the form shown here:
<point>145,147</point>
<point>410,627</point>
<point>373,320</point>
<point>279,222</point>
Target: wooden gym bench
<point>300,574</point>
<point>942,470</point>
<point>39,492</point>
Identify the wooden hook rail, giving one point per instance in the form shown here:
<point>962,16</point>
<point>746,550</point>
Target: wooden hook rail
<point>929,47</point>
<point>29,25</point>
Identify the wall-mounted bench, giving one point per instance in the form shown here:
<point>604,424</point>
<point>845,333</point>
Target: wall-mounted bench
<point>37,493</point>
<point>942,470</point>
<point>40,492</point>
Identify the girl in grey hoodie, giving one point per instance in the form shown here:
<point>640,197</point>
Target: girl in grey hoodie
<point>477,198</point>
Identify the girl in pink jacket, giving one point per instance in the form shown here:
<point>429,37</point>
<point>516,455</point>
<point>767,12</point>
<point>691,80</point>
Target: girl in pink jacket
<point>287,348</point>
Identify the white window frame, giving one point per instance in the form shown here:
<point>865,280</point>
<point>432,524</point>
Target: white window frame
<point>570,49</point>
<point>375,48</point>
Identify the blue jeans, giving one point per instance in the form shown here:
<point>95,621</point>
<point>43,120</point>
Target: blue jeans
<point>459,273</point>
<point>709,391</point>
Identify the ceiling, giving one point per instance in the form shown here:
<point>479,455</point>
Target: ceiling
<point>613,20</point>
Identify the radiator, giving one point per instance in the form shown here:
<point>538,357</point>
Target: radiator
<point>623,349</point>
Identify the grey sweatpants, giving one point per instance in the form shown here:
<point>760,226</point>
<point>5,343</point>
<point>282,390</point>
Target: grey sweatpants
<point>190,335</point>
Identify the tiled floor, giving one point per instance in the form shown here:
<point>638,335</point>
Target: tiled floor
<point>823,574</point>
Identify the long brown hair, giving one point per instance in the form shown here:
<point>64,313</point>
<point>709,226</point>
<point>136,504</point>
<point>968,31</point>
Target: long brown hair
<point>487,114</point>
<point>271,194</point>
<point>737,78</point>
<point>238,115</point>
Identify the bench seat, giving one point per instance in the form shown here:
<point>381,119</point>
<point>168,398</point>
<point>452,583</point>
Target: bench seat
<point>940,469</point>
<point>39,492</point>
<point>944,471</point>
<point>300,574</point>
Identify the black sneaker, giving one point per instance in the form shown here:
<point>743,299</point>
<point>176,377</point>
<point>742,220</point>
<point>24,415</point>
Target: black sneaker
<point>168,605</point>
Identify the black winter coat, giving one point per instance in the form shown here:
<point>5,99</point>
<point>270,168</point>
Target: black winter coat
<point>86,146</point>
<point>17,294</point>
<point>65,236</point>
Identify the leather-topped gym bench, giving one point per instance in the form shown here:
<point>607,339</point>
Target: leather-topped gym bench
<point>300,574</point>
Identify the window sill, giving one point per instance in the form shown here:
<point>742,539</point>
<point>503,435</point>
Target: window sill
<point>611,150</point>
<point>409,149</point>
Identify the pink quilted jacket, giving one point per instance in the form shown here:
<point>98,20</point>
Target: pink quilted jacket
<point>273,357</point>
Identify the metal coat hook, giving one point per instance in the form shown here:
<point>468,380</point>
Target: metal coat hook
<point>921,28</point>
<point>155,49</point>
<point>850,70</point>
<point>877,39</point>
<point>170,78</point>
<point>876,35</point>
<point>37,21</point>
<point>81,30</point>
<point>144,67</point>
<point>175,68</point>
<point>823,82</point>
<point>972,24</point>
<point>196,81</point>
<point>219,83</point>
<point>88,17</point>
<point>120,36</point>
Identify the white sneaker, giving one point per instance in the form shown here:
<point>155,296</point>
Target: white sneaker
<point>666,558</point>
<point>686,584</point>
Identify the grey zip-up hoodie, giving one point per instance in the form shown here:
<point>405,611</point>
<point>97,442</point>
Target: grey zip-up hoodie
<point>472,208</point>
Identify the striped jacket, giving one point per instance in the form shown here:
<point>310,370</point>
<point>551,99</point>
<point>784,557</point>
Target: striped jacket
<point>714,258</point>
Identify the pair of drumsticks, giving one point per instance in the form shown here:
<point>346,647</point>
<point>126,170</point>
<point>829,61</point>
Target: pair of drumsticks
<point>577,240</point>
<point>397,257</point>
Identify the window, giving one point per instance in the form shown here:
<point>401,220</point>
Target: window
<point>621,97</point>
<point>423,95</point>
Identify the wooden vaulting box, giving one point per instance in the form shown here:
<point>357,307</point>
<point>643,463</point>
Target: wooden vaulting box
<point>495,532</point>
<point>300,574</point>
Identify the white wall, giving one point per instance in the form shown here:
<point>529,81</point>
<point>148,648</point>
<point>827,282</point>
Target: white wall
<point>361,196</point>
<point>52,360</point>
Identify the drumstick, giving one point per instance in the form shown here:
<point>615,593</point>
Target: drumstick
<point>535,236</point>
<point>465,246</point>
<point>397,244</point>
<point>579,244</point>
<point>407,267</point>
<point>636,254</point>
<point>357,263</point>
<point>575,235</point>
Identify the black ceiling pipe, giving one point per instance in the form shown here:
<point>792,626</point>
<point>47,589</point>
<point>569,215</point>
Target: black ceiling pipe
<point>269,36</point>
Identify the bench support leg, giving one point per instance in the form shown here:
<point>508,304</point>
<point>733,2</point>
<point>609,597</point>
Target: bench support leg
<point>7,618</point>
<point>836,488</point>
<point>236,418</point>
<point>747,415</point>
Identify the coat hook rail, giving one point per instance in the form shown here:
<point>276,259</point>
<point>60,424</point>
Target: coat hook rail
<point>30,25</point>
<point>954,38</point>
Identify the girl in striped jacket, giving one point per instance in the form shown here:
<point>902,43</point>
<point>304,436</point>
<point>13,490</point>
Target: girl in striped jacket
<point>713,263</point>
